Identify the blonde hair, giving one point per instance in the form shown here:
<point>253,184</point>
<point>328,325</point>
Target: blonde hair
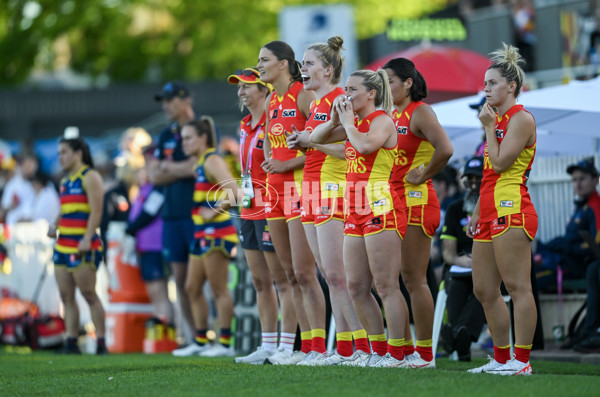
<point>330,56</point>
<point>379,82</point>
<point>507,60</point>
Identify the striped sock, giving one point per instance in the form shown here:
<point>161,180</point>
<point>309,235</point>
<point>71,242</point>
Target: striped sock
<point>361,341</point>
<point>396,348</point>
<point>522,353</point>
<point>424,349</point>
<point>318,340</point>
<point>306,339</point>
<point>225,337</point>
<point>378,344</point>
<point>286,341</point>
<point>344,343</point>
<point>409,347</point>
<point>269,341</point>
<point>200,338</point>
<point>502,354</point>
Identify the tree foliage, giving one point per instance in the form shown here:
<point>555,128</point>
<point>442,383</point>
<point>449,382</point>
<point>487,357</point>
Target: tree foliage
<point>151,40</point>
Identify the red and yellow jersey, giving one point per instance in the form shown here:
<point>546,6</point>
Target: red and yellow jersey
<point>368,192</point>
<point>413,151</point>
<point>207,194</point>
<point>506,193</point>
<point>251,157</point>
<point>74,214</point>
<point>283,114</point>
<point>320,166</point>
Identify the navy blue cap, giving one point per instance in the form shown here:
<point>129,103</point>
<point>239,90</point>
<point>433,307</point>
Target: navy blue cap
<point>474,166</point>
<point>171,90</point>
<point>586,166</point>
<point>477,105</point>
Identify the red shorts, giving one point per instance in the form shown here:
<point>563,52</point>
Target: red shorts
<point>320,206</point>
<point>487,230</point>
<point>425,215</point>
<point>283,201</point>
<point>331,208</point>
<point>388,221</point>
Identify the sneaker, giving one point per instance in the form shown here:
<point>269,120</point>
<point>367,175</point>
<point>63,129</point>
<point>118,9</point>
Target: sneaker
<point>193,349</point>
<point>358,359</point>
<point>217,350</point>
<point>490,366</point>
<point>257,357</point>
<point>283,357</point>
<point>512,367</point>
<point>374,358</point>
<point>589,345</point>
<point>335,359</point>
<point>447,341</point>
<point>101,350</point>
<point>68,349</point>
<point>462,343</point>
<point>313,359</point>
<point>416,361</point>
<point>388,361</point>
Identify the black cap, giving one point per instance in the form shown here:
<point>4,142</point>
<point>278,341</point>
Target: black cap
<point>586,166</point>
<point>171,90</point>
<point>474,166</point>
<point>477,105</point>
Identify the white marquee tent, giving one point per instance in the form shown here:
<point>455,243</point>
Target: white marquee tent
<point>567,117</point>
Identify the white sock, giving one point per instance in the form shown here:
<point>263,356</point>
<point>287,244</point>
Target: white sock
<point>269,341</point>
<point>286,341</point>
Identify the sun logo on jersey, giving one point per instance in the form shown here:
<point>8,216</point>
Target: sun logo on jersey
<point>402,130</point>
<point>499,133</point>
<point>350,153</point>
<point>277,129</point>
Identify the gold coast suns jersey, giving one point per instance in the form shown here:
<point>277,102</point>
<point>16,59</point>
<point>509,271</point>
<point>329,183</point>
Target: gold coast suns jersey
<point>283,113</point>
<point>319,166</point>
<point>368,191</point>
<point>413,151</point>
<point>506,193</point>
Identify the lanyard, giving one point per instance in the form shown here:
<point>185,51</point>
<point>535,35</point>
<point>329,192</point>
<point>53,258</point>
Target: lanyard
<point>246,169</point>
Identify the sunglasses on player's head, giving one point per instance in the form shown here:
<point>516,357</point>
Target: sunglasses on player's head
<point>247,72</point>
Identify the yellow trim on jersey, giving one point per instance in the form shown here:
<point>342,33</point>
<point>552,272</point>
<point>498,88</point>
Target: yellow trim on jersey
<point>419,194</point>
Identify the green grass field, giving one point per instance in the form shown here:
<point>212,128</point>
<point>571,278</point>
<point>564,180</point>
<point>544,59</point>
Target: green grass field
<point>44,373</point>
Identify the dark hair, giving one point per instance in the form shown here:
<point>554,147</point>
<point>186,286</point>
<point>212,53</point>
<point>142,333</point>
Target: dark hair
<point>283,51</point>
<point>506,60</point>
<point>404,69</point>
<point>205,125</point>
<point>330,56</point>
<point>78,144</point>
<point>40,177</point>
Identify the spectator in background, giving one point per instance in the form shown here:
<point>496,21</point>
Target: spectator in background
<point>590,333</point>
<point>117,199</point>
<point>524,25</point>
<point>146,225</point>
<point>174,171</point>
<point>18,194</point>
<point>571,251</point>
<point>481,147</point>
<point>46,203</point>
<point>447,191</point>
<point>465,314</point>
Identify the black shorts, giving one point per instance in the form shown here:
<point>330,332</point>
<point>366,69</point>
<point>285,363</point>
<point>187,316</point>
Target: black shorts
<point>255,235</point>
